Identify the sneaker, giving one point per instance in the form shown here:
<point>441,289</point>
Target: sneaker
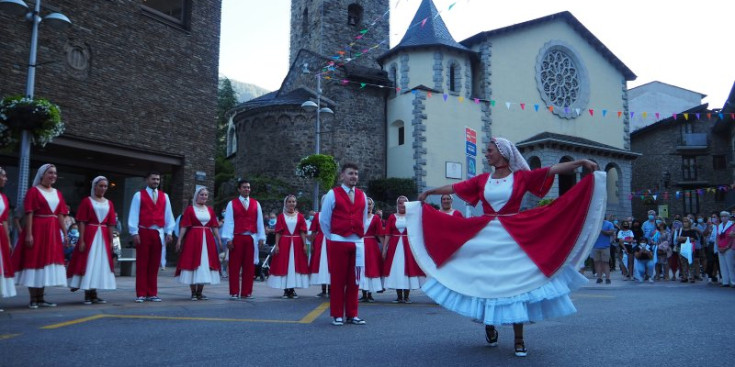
<point>294,295</point>
<point>87,302</point>
<point>397,300</point>
<point>43,303</point>
<point>249,296</point>
<point>98,301</point>
<point>520,350</point>
<point>370,299</point>
<point>154,299</point>
<point>140,300</point>
<point>33,305</point>
<point>608,281</point>
<point>194,297</point>
<point>491,339</point>
<point>322,295</point>
<point>286,295</point>
<point>407,301</point>
<point>599,280</point>
<point>234,297</point>
<point>202,297</point>
<point>650,280</point>
<point>338,321</point>
<point>356,321</point>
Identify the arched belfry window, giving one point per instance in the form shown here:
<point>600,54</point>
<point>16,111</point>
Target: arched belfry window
<point>305,21</point>
<point>354,15</point>
<point>452,78</point>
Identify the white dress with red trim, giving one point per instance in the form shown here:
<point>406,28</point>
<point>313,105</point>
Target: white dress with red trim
<point>370,274</point>
<point>7,281</point>
<point>41,265</point>
<point>198,240</point>
<point>97,271</point>
<point>289,267</point>
<point>508,266</point>
<point>319,265</point>
<point>400,269</point>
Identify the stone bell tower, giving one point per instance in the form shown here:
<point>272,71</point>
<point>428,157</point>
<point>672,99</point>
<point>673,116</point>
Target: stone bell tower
<point>329,26</point>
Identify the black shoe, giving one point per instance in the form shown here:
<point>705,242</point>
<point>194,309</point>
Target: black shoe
<point>491,335</point>
<point>599,280</point>
<point>370,299</point>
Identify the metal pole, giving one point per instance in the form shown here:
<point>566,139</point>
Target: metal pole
<point>315,199</point>
<point>25,141</point>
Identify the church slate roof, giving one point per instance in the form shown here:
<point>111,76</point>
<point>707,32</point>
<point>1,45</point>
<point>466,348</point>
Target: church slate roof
<point>293,98</point>
<point>549,137</point>
<point>431,34</point>
<point>574,23</point>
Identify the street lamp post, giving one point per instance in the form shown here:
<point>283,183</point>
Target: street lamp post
<point>55,20</point>
<point>310,107</point>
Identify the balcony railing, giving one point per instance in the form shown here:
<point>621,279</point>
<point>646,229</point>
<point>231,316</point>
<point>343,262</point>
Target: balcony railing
<point>693,141</point>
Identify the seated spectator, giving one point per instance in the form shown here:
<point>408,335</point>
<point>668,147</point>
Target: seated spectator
<point>644,260</point>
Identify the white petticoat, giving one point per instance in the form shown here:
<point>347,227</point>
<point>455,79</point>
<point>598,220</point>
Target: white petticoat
<point>97,274</point>
<point>202,274</point>
<point>292,279</point>
<point>369,284</point>
<point>7,285</point>
<point>53,275</point>
<point>322,277</point>
<point>397,279</point>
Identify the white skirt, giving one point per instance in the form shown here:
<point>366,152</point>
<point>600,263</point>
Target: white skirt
<point>202,274</point>
<point>292,278</point>
<point>398,278</point>
<point>322,277</point>
<point>7,285</point>
<point>97,274</point>
<point>53,275</point>
<point>370,284</point>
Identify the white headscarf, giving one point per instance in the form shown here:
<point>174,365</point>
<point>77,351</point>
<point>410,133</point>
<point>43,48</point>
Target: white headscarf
<point>41,171</point>
<point>196,193</point>
<point>95,182</point>
<point>286,199</point>
<point>508,150</point>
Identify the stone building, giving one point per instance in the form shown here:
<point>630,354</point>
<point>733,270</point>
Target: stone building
<point>137,85</point>
<point>269,135</point>
<point>724,128</point>
<point>427,108</point>
<point>685,164</point>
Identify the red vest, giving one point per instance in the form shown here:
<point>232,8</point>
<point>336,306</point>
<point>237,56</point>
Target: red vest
<point>347,217</point>
<point>152,214</point>
<point>245,220</point>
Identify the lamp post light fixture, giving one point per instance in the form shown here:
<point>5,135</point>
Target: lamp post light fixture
<point>57,21</point>
<point>310,106</point>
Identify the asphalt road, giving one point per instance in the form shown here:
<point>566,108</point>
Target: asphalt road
<point>662,324</point>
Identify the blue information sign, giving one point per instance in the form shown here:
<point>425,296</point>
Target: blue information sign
<point>471,148</point>
<point>471,170</point>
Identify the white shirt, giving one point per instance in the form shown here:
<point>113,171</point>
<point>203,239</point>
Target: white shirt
<point>325,217</point>
<point>229,226</point>
<point>134,215</point>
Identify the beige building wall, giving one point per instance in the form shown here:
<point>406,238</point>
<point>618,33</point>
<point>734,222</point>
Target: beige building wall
<point>400,157</point>
<point>513,67</point>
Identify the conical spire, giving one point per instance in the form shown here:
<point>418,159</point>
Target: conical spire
<point>428,29</point>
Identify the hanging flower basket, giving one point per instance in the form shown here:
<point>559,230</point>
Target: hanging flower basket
<point>41,117</point>
<point>321,167</point>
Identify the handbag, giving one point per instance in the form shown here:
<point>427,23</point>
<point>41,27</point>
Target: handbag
<point>687,248</point>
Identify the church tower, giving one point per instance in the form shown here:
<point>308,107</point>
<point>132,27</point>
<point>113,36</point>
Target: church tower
<point>351,26</point>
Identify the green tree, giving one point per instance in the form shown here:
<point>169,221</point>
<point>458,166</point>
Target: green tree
<point>224,171</point>
<point>226,101</point>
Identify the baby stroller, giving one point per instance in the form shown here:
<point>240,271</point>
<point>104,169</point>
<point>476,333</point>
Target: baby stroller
<point>263,269</point>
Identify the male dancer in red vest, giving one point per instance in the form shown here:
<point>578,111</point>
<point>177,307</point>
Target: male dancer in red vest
<point>342,218</point>
<point>149,220</point>
<point>242,228</point>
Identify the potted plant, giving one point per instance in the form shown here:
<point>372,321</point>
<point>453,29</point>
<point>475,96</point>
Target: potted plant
<point>321,167</point>
<point>41,117</point>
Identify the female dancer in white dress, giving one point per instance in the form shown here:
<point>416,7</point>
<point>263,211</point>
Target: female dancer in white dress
<point>91,265</point>
<point>7,284</point>
<point>371,274</point>
<point>400,270</point>
<point>38,257</point>
<point>199,230</point>
<point>507,266</point>
<point>289,265</point>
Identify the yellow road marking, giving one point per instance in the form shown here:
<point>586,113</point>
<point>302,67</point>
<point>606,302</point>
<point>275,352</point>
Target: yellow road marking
<point>185,318</point>
<point>311,316</point>
<point>73,322</point>
<point>7,336</point>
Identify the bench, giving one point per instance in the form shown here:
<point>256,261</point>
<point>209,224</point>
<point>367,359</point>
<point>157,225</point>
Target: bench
<point>126,260</point>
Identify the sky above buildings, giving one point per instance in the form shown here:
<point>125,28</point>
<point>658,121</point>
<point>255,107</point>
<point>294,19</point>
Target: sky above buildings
<point>678,42</point>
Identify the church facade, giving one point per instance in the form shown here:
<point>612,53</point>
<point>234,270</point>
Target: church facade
<point>435,102</point>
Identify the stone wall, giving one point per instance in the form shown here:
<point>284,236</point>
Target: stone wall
<point>658,144</point>
<point>123,76</point>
